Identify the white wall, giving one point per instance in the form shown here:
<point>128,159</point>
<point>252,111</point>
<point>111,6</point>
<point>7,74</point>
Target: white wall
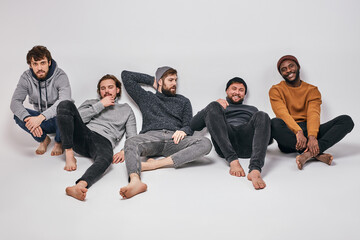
<point>208,42</point>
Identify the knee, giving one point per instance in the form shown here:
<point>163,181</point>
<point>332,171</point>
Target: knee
<point>205,145</point>
<point>277,123</point>
<point>263,117</point>
<point>65,105</point>
<point>133,142</point>
<point>214,108</point>
<point>347,121</point>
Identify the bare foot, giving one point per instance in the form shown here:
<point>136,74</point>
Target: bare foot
<point>77,191</point>
<point>43,146</point>
<point>152,164</point>
<point>70,164</point>
<point>57,149</point>
<point>325,158</point>
<point>256,179</point>
<point>134,187</point>
<point>236,169</point>
<point>302,159</point>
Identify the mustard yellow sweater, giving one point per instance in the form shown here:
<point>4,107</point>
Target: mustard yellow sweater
<point>297,104</point>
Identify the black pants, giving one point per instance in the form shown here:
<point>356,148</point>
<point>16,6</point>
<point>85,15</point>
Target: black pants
<point>232,142</point>
<point>329,133</point>
<point>75,134</point>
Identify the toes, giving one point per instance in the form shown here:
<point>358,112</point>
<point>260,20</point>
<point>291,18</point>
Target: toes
<point>299,165</point>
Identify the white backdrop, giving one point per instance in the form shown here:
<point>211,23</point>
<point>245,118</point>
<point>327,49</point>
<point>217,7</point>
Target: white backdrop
<point>207,41</point>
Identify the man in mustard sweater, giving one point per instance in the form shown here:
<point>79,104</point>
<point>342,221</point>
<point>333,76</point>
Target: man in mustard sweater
<point>297,127</point>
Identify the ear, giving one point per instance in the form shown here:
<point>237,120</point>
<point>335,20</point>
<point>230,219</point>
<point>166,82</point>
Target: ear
<point>49,63</point>
<point>160,83</point>
<point>117,90</point>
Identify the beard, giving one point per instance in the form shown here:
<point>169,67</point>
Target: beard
<point>231,101</point>
<point>38,75</point>
<point>296,78</point>
<point>168,92</point>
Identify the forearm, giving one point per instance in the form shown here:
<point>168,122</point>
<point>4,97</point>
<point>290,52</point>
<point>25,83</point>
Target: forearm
<point>89,109</point>
<point>198,121</point>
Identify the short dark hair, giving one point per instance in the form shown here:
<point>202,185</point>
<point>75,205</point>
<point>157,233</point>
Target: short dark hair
<point>168,72</point>
<point>109,76</point>
<point>38,53</point>
<point>238,80</point>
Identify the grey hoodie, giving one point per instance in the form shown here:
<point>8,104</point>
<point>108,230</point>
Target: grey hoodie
<point>54,89</point>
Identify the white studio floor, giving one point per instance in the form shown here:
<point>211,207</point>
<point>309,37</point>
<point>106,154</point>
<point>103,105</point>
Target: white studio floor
<point>199,201</point>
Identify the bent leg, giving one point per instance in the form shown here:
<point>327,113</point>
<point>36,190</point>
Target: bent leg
<point>146,144</point>
<point>285,138</point>
<point>216,124</point>
<point>260,123</point>
<point>187,150</point>
<point>21,124</point>
<point>74,133</point>
<point>333,131</point>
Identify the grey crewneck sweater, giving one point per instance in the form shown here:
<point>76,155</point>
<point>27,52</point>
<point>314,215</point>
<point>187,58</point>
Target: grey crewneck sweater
<point>159,111</point>
<point>110,122</point>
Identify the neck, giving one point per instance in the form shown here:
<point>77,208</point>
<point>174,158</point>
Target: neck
<point>295,83</point>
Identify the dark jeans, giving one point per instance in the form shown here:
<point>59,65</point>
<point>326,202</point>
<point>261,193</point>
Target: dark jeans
<point>231,142</point>
<point>329,133</point>
<point>48,126</point>
<point>75,134</point>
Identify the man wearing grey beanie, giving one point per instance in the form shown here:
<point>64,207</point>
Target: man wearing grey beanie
<point>165,130</point>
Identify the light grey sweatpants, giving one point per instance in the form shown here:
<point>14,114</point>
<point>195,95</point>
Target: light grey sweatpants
<point>160,143</point>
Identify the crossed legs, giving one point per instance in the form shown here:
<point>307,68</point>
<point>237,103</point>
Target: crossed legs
<point>329,134</point>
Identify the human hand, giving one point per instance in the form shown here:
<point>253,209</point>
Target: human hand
<point>33,123</point>
<point>313,146</point>
<point>155,85</point>
<point>223,103</point>
<point>300,140</point>
<point>119,157</point>
<point>178,136</point>
<point>108,101</point>
<point>37,132</point>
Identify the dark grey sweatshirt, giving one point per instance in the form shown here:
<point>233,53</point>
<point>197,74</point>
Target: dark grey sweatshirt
<point>159,111</point>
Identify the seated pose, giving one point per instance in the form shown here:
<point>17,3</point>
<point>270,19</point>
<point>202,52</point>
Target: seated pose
<point>93,130</point>
<point>237,130</point>
<point>46,85</point>
<point>296,127</point>
<point>165,131</point>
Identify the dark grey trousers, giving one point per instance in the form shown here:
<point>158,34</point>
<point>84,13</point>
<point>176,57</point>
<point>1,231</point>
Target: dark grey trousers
<point>231,142</point>
<point>160,143</point>
<point>75,134</point>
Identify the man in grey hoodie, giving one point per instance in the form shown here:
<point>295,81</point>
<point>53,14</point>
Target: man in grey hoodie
<point>46,85</point>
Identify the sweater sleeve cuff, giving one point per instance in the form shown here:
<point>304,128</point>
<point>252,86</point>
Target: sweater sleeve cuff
<point>98,107</point>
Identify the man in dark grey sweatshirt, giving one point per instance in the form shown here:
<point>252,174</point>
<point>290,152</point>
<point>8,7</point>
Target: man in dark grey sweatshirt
<point>165,131</point>
<point>46,85</point>
<point>93,130</point>
<point>237,130</point>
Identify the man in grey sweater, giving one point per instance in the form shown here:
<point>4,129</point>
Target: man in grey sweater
<point>46,85</point>
<point>165,131</point>
<point>93,130</point>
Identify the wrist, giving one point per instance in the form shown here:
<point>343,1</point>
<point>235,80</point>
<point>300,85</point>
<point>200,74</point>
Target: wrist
<point>41,117</point>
